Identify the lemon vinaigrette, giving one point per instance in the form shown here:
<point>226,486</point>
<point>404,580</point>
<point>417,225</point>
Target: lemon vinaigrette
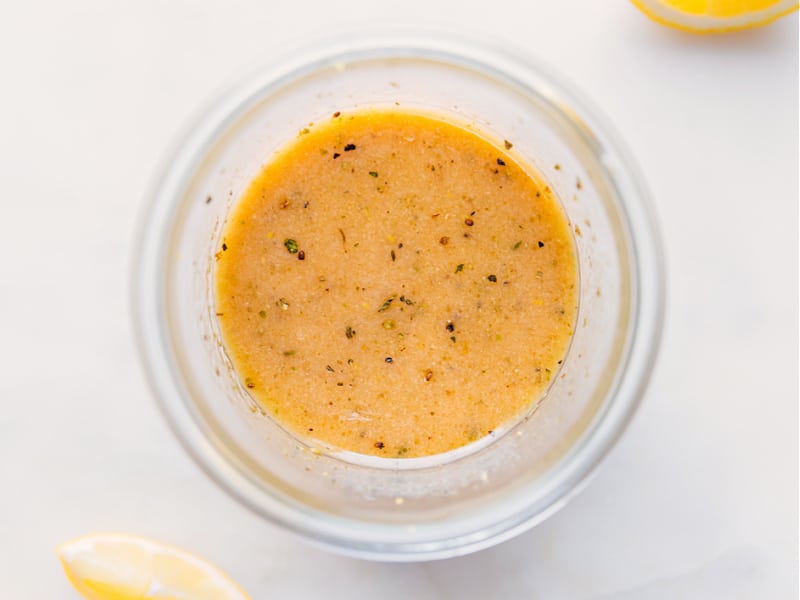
<point>397,285</point>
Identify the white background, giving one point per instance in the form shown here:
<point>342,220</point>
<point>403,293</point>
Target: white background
<point>699,500</point>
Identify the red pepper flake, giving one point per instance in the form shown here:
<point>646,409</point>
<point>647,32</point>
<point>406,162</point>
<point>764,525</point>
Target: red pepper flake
<point>301,255</point>
<point>444,240</point>
<point>469,222</point>
<point>336,114</point>
<point>380,445</point>
<point>349,147</point>
<point>428,375</point>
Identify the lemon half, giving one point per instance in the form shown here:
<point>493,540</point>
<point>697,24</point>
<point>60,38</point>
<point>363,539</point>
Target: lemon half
<point>123,567</point>
<point>715,16</point>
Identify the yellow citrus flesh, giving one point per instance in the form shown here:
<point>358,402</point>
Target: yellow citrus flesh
<point>715,16</point>
<point>123,567</point>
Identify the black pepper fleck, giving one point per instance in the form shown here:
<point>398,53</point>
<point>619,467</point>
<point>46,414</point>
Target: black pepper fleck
<point>501,162</point>
<point>349,147</point>
<point>388,359</point>
<point>492,278</point>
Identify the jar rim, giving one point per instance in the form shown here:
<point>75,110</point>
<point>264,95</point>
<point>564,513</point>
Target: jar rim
<point>648,285</point>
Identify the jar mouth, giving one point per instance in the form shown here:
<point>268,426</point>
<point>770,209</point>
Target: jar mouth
<point>531,502</point>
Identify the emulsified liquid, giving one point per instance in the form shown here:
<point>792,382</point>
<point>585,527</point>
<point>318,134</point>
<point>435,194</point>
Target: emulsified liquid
<point>396,285</point>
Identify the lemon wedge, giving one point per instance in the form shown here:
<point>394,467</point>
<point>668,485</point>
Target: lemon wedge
<point>715,16</point>
<point>123,567</point>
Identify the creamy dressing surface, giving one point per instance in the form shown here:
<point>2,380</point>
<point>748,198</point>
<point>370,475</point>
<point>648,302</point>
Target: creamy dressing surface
<point>396,285</point>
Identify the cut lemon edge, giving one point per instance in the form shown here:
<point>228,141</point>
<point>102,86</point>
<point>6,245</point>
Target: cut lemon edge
<point>112,566</point>
<point>715,16</point>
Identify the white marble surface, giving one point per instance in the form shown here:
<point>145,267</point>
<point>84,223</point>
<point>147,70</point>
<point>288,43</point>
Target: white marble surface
<point>699,500</point>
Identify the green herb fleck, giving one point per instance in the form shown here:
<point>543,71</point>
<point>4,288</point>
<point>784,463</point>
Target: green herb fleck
<point>289,352</point>
<point>291,245</point>
<point>262,314</point>
<point>387,303</point>
<point>459,267</point>
<point>517,245</point>
<point>373,173</point>
<point>393,255</point>
<point>453,339</point>
<point>350,332</point>
<point>407,301</point>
